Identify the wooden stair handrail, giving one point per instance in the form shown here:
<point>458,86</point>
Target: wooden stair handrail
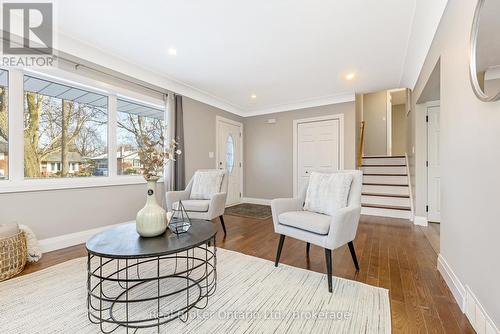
<point>361,142</point>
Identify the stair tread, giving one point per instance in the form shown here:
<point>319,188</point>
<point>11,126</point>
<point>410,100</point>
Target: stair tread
<point>391,207</point>
<point>383,165</point>
<point>378,174</point>
<point>385,195</point>
<point>385,184</point>
<point>384,157</point>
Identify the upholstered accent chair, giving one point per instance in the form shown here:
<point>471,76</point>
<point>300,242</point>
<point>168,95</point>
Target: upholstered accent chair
<point>328,232</point>
<point>207,207</point>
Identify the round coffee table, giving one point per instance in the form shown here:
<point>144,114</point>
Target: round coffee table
<point>137,282</point>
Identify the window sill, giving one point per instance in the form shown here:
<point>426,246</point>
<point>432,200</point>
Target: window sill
<point>30,185</point>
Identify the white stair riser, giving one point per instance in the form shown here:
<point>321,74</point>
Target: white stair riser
<point>384,161</point>
<point>386,213</point>
<point>385,179</point>
<point>391,190</point>
<point>380,200</point>
<point>385,170</point>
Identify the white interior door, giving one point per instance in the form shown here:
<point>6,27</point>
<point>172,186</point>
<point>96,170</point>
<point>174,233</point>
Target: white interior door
<point>433,170</point>
<point>229,146</point>
<point>318,148</point>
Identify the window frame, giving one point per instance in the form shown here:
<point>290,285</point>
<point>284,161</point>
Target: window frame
<point>17,181</point>
<point>141,103</point>
<point>7,177</point>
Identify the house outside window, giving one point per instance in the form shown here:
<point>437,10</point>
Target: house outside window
<point>65,131</point>
<point>135,120</point>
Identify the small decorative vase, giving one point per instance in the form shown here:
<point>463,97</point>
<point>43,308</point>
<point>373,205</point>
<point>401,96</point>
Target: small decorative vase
<point>151,220</point>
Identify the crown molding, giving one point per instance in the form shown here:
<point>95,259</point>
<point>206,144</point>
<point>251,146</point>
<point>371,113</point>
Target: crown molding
<point>425,23</point>
<point>307,103</point>
<point>90,53</point>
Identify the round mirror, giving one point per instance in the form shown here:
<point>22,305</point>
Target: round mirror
<point>485,51</point>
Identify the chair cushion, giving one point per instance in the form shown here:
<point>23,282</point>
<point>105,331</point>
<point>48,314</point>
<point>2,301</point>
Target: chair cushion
<point>194,205</point>
<point>306,220</point>
<point>327,192</point>
<point>206,183</point>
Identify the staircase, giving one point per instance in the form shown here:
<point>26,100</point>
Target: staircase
<point>385,187</point>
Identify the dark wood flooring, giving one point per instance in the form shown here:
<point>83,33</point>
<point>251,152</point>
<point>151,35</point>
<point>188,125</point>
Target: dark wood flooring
<point>392,253</point>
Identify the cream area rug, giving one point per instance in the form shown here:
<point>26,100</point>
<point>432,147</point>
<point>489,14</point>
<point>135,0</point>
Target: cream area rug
<point>252,296</point>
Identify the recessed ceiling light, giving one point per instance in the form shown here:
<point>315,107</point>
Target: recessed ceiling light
<point>350,76</point>
<point>253,96</point>
<point>172,51</point>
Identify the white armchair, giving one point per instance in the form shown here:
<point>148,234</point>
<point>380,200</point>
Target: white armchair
<point>329,232</point>
<point>206,209</point>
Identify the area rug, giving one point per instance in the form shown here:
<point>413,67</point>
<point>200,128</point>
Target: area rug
<point>252,296</point>
<point>248,210</point>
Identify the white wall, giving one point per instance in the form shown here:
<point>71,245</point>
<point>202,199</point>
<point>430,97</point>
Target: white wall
<point>268,149</point>
<point>375,117</point>
<point>58,212</point>
<point>492,87</point>
<point>470,154</point>
<point>399,129</point>
<point>199,134</point>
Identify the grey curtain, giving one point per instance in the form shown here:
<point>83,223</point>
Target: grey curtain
<point>168,171</point>
<point>179,164</point>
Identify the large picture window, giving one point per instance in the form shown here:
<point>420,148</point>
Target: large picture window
<point>4,125</point>
<point>65,130</point>
<point>134,121</point>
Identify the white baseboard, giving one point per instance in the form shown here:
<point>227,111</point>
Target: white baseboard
<point>386,213</point>
<point>72,239</point>
<point>467,301</point>
<point>410,188</point>
<point>251,200</point>
<point>420,221</point>
<point>456,287</point>
<point>479,319</point>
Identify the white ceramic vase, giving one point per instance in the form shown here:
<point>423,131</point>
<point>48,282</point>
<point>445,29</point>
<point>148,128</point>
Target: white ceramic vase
<point>151,220</point>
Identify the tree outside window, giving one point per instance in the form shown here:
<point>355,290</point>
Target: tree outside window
<point>65,131</point>
<point>4,125</point>
<point>135,121</point>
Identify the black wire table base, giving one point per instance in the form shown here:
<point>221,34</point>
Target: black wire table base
<point>135,293</point>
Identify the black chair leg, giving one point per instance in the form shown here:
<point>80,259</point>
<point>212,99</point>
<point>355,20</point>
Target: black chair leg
<point>223,225</point>
<point>280,247</point>
<point>328,256</point>
<point>308,246</point>
<point>353,254</point>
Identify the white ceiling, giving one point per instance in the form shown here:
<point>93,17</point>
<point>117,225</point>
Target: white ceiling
<point>289,53</point>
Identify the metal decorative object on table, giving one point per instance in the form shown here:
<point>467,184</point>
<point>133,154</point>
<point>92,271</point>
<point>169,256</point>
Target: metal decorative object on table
<point>135,282</point>
<point>179,221</point>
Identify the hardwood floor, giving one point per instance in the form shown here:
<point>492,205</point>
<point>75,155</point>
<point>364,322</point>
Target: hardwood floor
<point>432,232</point>
<point>392,253</point>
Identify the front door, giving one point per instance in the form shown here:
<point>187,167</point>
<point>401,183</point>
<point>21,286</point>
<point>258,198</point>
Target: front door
<point>318,148</point>
<point>433,170</point>
<point>229,156</point>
